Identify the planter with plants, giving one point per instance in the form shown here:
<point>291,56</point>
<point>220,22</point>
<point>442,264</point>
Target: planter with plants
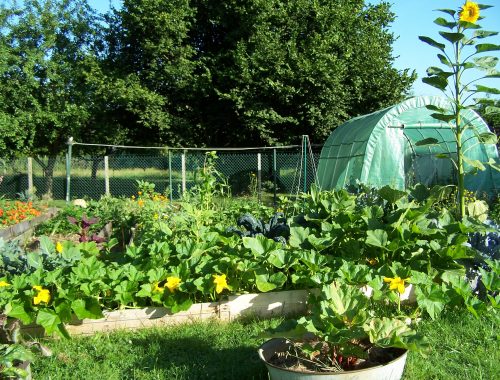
<point>345,336</point>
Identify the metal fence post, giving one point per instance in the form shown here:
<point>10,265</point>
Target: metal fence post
<point>171,189</point>
<point>274,177</point>
<point>106,175</point>
<point>259,176</point>
<point>68,169</point>
<point>30,178</point>
<point>304,148</point>
<point>183,170</point>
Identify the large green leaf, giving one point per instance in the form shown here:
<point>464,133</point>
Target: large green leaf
<point>266,282</point>
<point>488,90</point>
<point>344,300</point>
<point>443,22</point>
<point>481,48</point>
<point>260,245</point>
<point>450,12</point>
<point>491,280</point>
<point>49,320</point>
<point>436,81</point>
<point>483,34</point>
<point>376,238</point>
<point>444,60</point>
<point>443,117</point>
<point>474,163</point>
<point>486,63</point>
<point>384,331</point>
<point>431,71</point>
<point>452,37</point>
<point>280,258</point>
<point>87,308</point>
<point>432,42</point>
<point>488,138</point>
<point>298,236</point>
<point>431,298</point>
<point>16,309</point>
<point>46,245</point>
<point>391,195</point>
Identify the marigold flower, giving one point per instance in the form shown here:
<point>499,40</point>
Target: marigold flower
<point>220,282</point>
<point>469,12</point>
<point>4,283</point>
<point>396,283</point>
<point>172,283</point>
<point>59,247</point>
<point>42,296</point>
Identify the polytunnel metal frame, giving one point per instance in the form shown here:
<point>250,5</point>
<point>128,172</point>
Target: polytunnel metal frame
<point>376,149</point>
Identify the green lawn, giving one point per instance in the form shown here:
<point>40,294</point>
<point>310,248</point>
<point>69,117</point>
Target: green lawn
<point>461,348</point>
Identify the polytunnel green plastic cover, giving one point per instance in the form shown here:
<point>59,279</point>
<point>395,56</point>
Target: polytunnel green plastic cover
<point>380,149</point>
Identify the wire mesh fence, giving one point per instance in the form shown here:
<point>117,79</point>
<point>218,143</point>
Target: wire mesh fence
<point>248,172</point>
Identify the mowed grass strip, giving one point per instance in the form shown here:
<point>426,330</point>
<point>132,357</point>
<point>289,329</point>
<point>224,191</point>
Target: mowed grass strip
<point>461,347</point>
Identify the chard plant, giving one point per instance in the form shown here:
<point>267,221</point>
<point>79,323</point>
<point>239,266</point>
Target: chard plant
<point>464,53</point>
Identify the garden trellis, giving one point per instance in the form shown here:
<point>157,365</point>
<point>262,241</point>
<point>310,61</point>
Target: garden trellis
<point>382,149</point>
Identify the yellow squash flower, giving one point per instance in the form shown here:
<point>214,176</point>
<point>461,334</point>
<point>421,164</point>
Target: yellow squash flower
<point>59,247</point>
<point>396,283</point>
<point>42,296</point>
<point>173,283</point>
<point>469,12</point>
<point>158,288</point>
<point>4,283</point>
<point>372,261</point>
<point>220,282</point>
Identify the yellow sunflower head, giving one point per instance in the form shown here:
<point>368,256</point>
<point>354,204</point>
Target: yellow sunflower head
<point>469,12</point>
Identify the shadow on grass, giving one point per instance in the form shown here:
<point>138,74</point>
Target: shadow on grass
<point>194,358</point>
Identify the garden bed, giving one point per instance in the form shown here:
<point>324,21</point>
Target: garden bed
<point>262,305</point>
<point>23,230</point>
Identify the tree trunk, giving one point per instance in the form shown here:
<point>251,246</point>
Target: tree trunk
<point>48,172</point>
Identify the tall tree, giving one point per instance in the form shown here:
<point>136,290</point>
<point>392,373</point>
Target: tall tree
<point>48,46</point>
<point>253,72</point>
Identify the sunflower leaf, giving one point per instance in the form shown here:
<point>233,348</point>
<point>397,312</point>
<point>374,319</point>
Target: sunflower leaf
<point>432,42</point>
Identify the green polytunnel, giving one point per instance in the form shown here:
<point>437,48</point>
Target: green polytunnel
<point>380,149</point>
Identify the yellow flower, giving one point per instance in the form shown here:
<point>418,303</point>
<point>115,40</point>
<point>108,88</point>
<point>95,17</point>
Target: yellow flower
<point>155,216</point>
<point>42,296</point>
<point>140,202</point>
<point>133,197</point>
<point>372,261</point>
<point>396,283</point>
<point>4,283</point>
<point>469,12</point>
<point>59,247</point>
<point>139,193</point>
<point>173,283</point>
<point>158,288</point>
<point>220,282</point>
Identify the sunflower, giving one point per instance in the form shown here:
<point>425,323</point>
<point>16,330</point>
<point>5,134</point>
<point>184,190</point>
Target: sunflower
<point>469,12</point>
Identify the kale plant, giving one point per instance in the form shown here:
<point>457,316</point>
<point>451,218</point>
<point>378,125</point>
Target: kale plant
<point>277,228</point>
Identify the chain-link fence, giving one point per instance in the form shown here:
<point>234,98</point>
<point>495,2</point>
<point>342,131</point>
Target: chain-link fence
<point>272,171</point>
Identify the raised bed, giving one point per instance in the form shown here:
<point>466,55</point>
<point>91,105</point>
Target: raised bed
<point>257,305</point>
<point>24,230</point>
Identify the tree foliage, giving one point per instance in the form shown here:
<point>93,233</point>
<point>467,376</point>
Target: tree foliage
<point>191,72</point>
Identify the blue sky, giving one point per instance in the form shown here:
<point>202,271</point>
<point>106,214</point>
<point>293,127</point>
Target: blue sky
<point>413,18</point>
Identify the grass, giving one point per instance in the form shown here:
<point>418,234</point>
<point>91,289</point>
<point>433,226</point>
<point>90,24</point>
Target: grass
<point>461,347</point>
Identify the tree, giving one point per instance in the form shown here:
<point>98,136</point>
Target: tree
<point>48,45</point>
<point>256,72</point>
